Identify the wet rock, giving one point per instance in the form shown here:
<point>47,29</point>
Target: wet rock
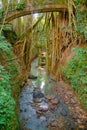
<point>55,101</point>
<point>79,121</point>
<point>37,100</point>
<point>53,78</point>
<point>32,77</point>
<point>40,68</point>
<point>28,81</point>
<point>25,118</point>
<point>37,94</point>
<point>50,97</point>
<point>63,112</point>
<point>25,110</point>
<point>31,102</point>
<point>42,118</point>
<point>39,112</point>
<point>44,100</point>
<point>54,124</point>
<point>51,107</point>
<point>58,124</point>
<point>82,127</point>
<point>43,64</point>
<point>21,110</point>
<point>44,108</point>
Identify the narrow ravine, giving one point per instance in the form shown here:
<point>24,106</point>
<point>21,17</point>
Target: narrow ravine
<point>41,108</point>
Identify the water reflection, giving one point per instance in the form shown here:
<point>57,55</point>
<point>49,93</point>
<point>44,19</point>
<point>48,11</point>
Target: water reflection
<point>42,85</point>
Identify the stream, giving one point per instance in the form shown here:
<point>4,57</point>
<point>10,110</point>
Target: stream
<point>41,108</point>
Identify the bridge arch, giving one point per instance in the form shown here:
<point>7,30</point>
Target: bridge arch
<point>11,15</point>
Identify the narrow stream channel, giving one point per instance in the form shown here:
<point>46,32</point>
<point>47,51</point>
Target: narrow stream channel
<point>41,108</point>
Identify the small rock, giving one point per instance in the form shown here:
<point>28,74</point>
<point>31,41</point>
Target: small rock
<point>63,112</point>
<point>42,118</point>
<point>44,108</point>
<point>55,101</point>
<point>50,97</point>
<point>25,118</point>
<point>79,121</point>
<point>40,109</point>
<point>39,112</point>
<point>81,127</point>
<point>28,81</point>
<point>53,78</point>
<point>31,102</point>
<point>37,100</point>
<point>84,117</point>
<point>37,95</point>
<point>40,68</point>
<point>54,124</point>
<point>25,109</point>
<point>21,110</point>
<point>51,107</point>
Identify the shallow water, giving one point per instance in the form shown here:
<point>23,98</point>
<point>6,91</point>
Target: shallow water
<point>30,119</point>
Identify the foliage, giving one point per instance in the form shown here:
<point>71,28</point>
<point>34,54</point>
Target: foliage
<point>20,5</point>
<point>7,103</point>
<point>9,33</point>
<point>75,71</point>
<point>7,27</point>
<point>8,117</point>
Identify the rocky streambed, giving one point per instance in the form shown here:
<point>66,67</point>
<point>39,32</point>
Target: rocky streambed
<point>41,108</point>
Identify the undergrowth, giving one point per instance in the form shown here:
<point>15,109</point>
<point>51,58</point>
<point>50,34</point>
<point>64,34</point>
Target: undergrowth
<point>75,72</point>
<point>8,73</point>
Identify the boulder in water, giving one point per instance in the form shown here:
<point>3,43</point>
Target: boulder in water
<point>44,107</point>
<point>38,95</point>
<point>32,77</point>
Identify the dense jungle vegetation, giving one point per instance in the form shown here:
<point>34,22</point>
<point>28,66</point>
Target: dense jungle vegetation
<point>24,38</point>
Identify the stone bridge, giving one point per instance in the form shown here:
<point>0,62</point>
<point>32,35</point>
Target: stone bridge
<point>13,14</point>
